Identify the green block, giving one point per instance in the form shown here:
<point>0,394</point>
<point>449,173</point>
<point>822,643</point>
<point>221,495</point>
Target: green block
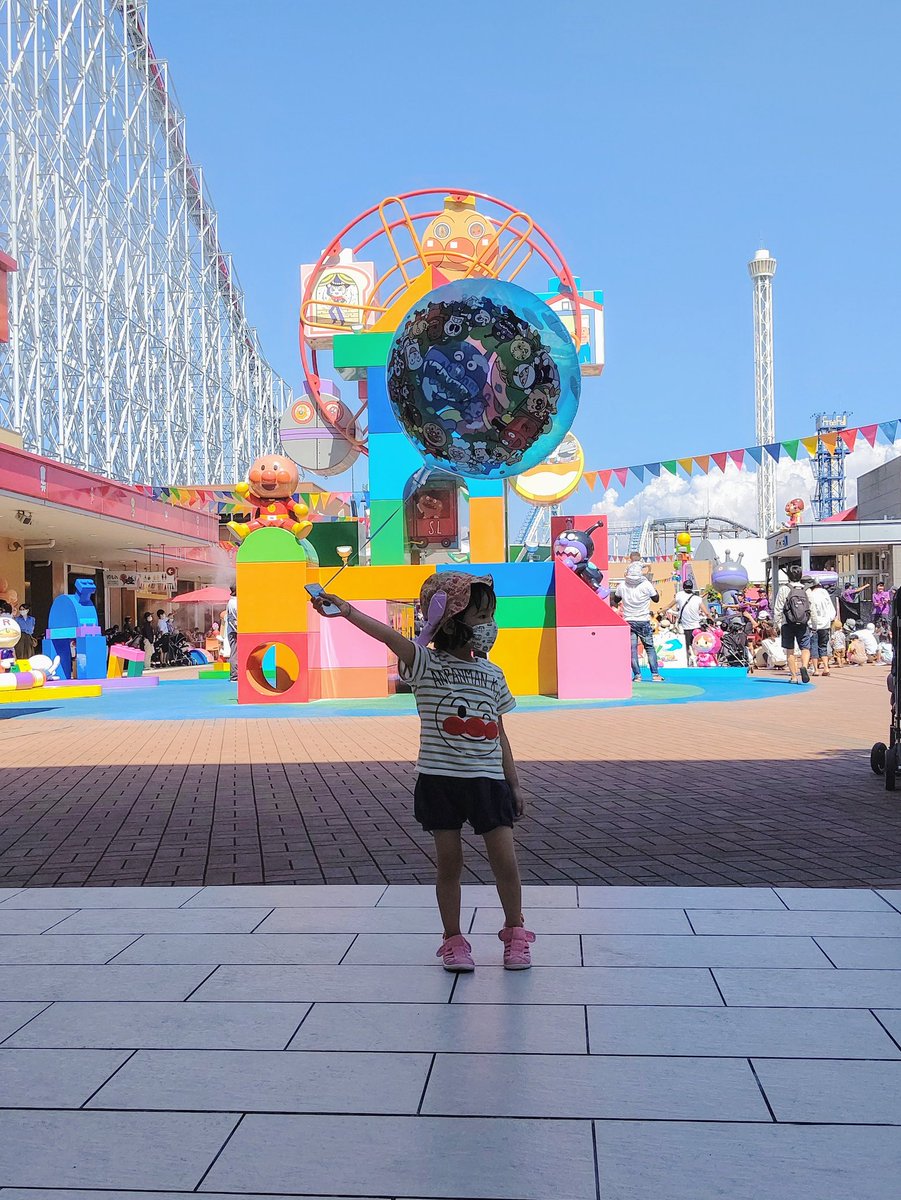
<point>361,349</point>
<point>327,536</point>
<point>526,612</point>
<point>388,547</point>
<point>271,546</point>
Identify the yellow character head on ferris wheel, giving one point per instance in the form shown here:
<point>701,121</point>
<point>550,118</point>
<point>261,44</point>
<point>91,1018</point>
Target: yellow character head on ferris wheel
<point>460,241</point>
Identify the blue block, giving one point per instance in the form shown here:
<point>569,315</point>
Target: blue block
<point>392,460</point>
<point>511,579</point>
<point>484,487</point>
<point>380,414</point>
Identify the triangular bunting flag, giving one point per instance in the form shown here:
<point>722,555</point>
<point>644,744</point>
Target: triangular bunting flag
<point>849,437</point>
<point>591,478</point>
<point>774,450</point>
<point>653,469</point>
<point>638,472</point>
<point>888,430</point>
<point>686,464</point>
<point>738,457</point>
<point>622,474</point>
<point>829,440</point>
<point>605,477</point>
<point>868,433</point>
<point>703,461</point>
<point>720,459</point>
<point>810,445</point>
<point>670,466</point>
<point>791,448</point>
<point>756,452</point>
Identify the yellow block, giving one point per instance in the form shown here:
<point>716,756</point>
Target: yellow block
<point>51,693</point>
<point>528,658</point>
<point>370,583</point>
<point>389,321</point>
<point>487,535</point>
<point>271,597</point>
<point>114,667</point>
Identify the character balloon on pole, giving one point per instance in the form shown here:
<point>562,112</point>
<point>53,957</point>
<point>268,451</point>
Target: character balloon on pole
<point>682,557</point>
<point>793,511</point>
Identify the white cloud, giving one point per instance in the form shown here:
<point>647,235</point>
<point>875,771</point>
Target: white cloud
<point>733,494</point>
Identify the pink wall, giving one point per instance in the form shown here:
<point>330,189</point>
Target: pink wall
<point>337,643</point>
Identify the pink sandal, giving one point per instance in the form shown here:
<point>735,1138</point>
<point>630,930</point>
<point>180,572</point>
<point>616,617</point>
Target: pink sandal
<point>517,956</point>
<point>456,953</point>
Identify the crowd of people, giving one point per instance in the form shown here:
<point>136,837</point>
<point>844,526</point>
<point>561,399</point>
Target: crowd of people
<point>163,642</point>
<point>809,632</point>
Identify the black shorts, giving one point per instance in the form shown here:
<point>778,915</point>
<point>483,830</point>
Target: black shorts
<point>792,634</point>
<point>446,802</point>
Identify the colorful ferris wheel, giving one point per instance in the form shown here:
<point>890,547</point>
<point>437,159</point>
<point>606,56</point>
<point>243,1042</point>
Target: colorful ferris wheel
<point>385,260</point>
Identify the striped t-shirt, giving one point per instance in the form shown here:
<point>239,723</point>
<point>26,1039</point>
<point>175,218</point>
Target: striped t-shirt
<point>459,702</point>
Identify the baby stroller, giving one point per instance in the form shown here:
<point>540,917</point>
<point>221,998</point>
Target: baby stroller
<point>734,646</point>
<point>886,760</point>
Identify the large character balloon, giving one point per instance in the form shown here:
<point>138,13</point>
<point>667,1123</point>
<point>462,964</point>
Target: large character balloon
<point>460,241</point>
<point>271,482</point>
<point>483,378</point>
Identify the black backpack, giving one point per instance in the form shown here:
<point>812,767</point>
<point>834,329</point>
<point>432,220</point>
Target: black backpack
<point>797,606</point>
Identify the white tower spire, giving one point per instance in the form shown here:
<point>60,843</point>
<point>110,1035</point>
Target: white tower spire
<point>762,268</point>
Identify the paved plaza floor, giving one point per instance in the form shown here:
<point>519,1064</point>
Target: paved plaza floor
<point>773,791</point>
<point>672,1043</point>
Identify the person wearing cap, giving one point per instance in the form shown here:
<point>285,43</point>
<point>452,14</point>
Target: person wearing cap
<point>792,617</point>
<point>689,610</point>
<point>867,635</point>
<point>635,595</point>
<point>466,771</point>
<point>823,612</point>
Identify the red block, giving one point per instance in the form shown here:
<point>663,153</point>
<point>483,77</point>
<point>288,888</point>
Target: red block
<point>292,681</point>
<point>578,604</point>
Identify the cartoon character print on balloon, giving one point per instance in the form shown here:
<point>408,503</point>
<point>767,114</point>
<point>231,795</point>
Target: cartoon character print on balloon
<point>574,548</point>
<point>476,383</point>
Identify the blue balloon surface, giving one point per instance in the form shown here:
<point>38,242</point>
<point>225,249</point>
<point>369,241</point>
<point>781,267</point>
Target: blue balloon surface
<point>483,378</point>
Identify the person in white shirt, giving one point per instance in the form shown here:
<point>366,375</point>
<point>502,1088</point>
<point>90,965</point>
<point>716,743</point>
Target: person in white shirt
<point>870,642</point>
<point>634,596</point>
<point>688,611</point>
<point>792,617</point>
<point>823,612</point>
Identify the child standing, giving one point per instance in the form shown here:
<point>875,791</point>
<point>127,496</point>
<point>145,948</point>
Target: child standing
<point>839,644</point>
<point>466,768</point>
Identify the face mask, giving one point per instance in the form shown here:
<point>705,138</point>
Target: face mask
<point>484,636</point>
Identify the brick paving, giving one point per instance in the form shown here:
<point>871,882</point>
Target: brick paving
<point>772,792</point>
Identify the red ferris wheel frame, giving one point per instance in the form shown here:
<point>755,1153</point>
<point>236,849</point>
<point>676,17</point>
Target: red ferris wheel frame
<point>532,239</point>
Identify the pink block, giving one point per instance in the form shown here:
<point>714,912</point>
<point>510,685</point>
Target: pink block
<point>127,652</point>
<point>337,643</point>
<point>593,663</point>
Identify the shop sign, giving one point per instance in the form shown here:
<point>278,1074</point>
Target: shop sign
<point>141,581</point>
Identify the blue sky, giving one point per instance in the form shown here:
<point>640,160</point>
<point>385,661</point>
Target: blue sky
<point>659,144</point>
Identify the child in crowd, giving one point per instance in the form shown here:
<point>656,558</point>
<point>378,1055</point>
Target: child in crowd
<point>839,644</point>
<point>465,768</point>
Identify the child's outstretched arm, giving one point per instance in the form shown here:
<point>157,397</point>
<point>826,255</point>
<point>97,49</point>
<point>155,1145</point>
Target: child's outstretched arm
<point>396,642</point>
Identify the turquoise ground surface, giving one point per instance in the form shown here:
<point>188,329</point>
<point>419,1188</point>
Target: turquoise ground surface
<point>193,700</point>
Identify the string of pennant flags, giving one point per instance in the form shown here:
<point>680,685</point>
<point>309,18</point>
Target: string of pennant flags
<point>793,448</point>
<point>222,500</point>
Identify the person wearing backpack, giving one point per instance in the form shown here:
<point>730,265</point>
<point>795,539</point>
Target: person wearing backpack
<point>688,611</point>
<point>792,615</point>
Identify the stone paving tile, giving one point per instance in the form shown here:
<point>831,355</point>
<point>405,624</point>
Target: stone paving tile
<point>418,896</point>
<point>810,988</point>
<point>797,923</point>
<point>589,920</point>
<point>853,900</point>
<point>149,1151</point>
<point>55,1194</point>
<point>368,984</point>
<point>286,896</point>
<point>162,920</point>
<point>101,897</point>
<point>160,1025</point>
<point>399,948</point>
<point>694,1161</point>
<point>267,1081</point>
<point>14,1016</point>
<point>878,952</point>
<point>409,1156</point>
<point>891,1019</point>
<point>33,950</point>
<point>26,920</point>
<point>243,948</point>
<point>892,897</point>
<point>679,897</point>
<point>100,983</point>
<point>758,1032</point>
<point>538,1085</point>
<point>363,920</point>
<point>54,1078</point>
<point>695,950</point>
<point>589,985</point>
<point>829,1092</point>
<point>451,1028</point>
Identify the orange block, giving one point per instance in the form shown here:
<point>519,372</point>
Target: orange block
<point>487,532</point>
<point>271,596</point>
<point>347,683</point>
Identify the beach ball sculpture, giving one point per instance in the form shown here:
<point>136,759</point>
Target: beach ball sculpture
<point>483,378</point>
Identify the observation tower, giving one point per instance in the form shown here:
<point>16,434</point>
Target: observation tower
<point>762,268</point>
